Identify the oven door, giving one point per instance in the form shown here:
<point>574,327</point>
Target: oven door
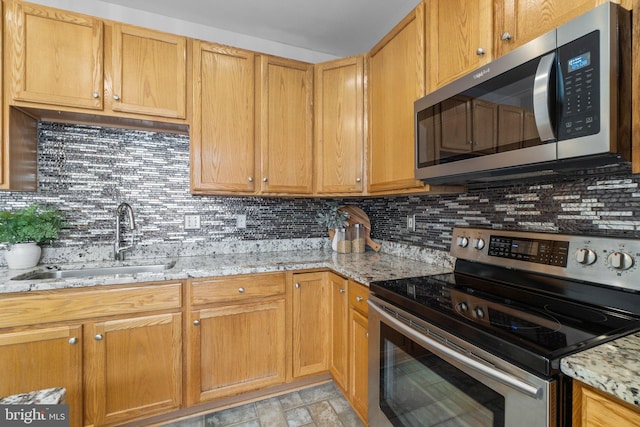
<point>420,375</point>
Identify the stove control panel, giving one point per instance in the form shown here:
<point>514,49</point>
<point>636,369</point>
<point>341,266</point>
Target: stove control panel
<point>602,260</point>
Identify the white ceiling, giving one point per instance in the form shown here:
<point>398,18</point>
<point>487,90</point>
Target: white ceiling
<point>334,27</point>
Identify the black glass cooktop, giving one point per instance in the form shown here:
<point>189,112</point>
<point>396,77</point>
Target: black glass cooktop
<point>533,321</point>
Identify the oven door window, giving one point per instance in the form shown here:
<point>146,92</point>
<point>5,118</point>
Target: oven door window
<point>419,389</point>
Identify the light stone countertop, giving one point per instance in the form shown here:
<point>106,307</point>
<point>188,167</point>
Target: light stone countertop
<point>613,367</point>
<point>364,268</point>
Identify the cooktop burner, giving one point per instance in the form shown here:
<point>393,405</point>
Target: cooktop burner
<point>530,309</point>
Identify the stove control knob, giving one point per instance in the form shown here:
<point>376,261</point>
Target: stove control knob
<point>586,256</point>
<point>478,244</point>
<point>478,313</point>
<point>463,307</point>
<point>620,260</point>
<point>462,242</point>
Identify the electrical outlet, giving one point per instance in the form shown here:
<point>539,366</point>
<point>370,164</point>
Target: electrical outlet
<point>411,222</point>
<point>192,222</point>
<point>241,221</point>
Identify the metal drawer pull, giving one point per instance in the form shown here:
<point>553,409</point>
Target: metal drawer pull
<point>196,322</point>
<point>73,340</point>
<point>95,95</point>
<point>359,299</point>
<point>342,291</point>
<point>241,290</point>
<point>98,337</point>
<point>297,285</point>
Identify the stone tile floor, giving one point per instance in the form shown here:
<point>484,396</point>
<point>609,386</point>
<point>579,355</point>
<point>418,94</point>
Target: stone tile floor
<point>317,406</point>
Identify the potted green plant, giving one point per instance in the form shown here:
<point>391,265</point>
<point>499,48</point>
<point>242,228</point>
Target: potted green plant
<point>23,229</point>
<point>333,219</point>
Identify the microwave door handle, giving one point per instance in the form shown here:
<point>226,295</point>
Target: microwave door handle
<point>541,98</point>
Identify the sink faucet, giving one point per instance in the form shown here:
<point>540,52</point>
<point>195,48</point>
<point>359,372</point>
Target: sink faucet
<point>118,250</point>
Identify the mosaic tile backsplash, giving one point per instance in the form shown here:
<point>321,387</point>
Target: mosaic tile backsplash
<point>86,171</point>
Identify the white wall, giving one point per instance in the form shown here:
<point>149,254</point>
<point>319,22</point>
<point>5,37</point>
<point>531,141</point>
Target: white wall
<point>176,26</point>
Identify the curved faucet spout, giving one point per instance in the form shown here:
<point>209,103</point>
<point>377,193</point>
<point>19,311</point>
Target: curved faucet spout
<point>120,210</point>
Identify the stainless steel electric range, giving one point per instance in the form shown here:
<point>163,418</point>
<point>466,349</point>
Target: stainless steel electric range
<point>481,346</point>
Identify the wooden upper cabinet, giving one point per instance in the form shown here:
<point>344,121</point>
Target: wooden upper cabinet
<point>149,72</point>
<point>396,80</point>
<point>56,56</point>
<point>459,38</point>
<point>284,95</point>
<point>339,131</point>
<point>520,21</point>
<point>223,154</point>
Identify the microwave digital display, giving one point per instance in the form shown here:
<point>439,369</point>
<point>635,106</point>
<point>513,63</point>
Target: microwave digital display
<point>579,62</point>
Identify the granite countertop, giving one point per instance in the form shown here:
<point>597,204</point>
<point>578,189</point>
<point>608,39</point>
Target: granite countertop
<point>364,268</point>
<point>49,396</point>
<point>613,367</point>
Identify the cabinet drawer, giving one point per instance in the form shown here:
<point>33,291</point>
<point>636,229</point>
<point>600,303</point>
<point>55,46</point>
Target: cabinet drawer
<point>236,288</point>
<point>358,296</point>
<point>66,304</point>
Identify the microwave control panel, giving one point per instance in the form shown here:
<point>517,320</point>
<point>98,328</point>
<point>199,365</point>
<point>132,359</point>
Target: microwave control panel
<point>579,80</point>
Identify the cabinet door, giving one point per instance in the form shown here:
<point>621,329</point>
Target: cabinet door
<point>149,72</point>
<point>56,56</point>
<point>339,305</point>
<point>42,358</point>
<point>396,80</point>
<point>459,38</point>
<point>359,344</point>
<point>593,408</point>
<point>455,124</point>
<point>484,126</point>
<point>339,111</point>
<point>236,349</point>
<point>285,121</point>
<point>310,320</point>
<point>223,156</point>
<point>520,21</point>
<point>133,368</point>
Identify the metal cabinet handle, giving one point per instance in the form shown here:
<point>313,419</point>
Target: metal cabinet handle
<point>506,36</point>
<point>250,179</point>
<point>95,95</point>
<point>265,179</point>
<point>480,51</point>
<point>196,322</point>
<point>73,340</point>
<point>366,335</point>
<point>241,290</point>
<point>98,337</point>
<point>358,179</point>
<point>116,98</point>
<point>359,299</point>
<point>342,291</point>
<point>297,285</point>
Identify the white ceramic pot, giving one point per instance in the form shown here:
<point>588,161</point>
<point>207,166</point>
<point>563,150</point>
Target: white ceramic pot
<point>23,255</point>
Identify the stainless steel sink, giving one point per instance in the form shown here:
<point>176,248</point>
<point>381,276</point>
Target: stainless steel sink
<point>117,270</point>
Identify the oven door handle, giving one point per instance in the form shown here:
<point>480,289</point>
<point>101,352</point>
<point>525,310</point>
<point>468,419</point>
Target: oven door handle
<point>491,372</point>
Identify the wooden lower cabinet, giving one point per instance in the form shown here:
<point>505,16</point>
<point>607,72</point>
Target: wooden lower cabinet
<point>594,408</point>
<point>133,368</point>
<point>339,306</point>
<point>310,324</point>
<point>44,357</point>
<point>236,339</point>
<point>117,350</point>
<point>358,348</point>
<point>236,348</point>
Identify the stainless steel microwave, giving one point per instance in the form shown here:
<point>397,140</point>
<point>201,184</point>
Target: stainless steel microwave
<point>560,102</point>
